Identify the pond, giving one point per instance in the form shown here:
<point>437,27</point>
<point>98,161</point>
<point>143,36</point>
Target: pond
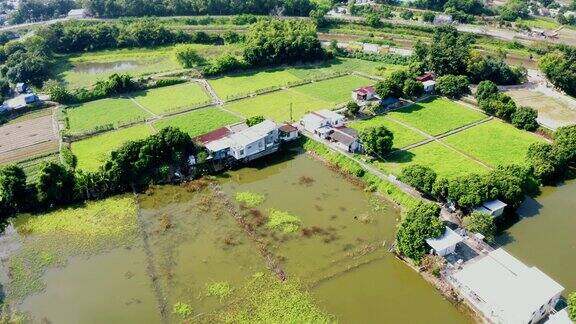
<point>105,67</point>
<point>194,236</point>
<point>546,235</point>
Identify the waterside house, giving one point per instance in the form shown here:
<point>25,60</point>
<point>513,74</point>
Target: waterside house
<point>493,207</point>
<point>505,290</point>
<point>330,126</point>
<point>445,244</point>
<point>242,143</point>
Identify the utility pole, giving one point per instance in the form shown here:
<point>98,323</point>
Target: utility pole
<point>291,119</point>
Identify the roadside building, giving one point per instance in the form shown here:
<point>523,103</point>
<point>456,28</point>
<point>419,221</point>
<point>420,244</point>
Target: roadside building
<point>505,290</point>
<point>443,19</point>
<point>346,139</point>
<point>429,86</point>
<point>425,77</point>
<point>445,244</point>
<point>21,87</point>
<point>493,207</point>
<point>77,14</point>
<point>364,94</point>
<point>321,122</point>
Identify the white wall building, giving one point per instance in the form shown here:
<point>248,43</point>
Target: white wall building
<point>321,122</point>
<point>445,244</point>
<point>77,14</point>
<point>493,207</point>
<point>507,291</point>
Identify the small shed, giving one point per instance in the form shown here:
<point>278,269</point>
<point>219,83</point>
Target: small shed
<point>364,93</point>
<point>445,244</point>
<point>425,77</point>
<point>443,19</point>
<point>288,132</point>
<point>493,207</point>
<point>346,139</point>
<point>77,14</point>
<point>429,86</point>
<point>21,87</point>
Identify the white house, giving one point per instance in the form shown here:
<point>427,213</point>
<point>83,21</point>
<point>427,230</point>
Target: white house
<point>321,122</point>
<point>443,19</point>
<point>429,85</point>
<point>560,317</point>
<point>493,207</point>
<point>364,93</point>
<point>21,87</point>
<point>507,291</point>
<point>346,139</point>
<point>288,132</point>
<point>77,14</point>
<point>445,244</point>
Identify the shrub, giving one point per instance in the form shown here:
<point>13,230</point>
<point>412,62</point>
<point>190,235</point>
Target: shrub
<point>282,221</point>
<point>181,309</point>
<point>486,90</point>
<point>525,118</point>
<point>352,108</point>
<point>254,120</point>
<point>482,223</point>
<point>220,290</point>
<point>187,56</point>
<point>249,199</point>
<point>413,89</point>
<point>453,86</point>
<point>572,306</point>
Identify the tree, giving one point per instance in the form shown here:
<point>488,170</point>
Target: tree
<point>392,86</point>
<point>501,105</point>
<point>419,177</point>
<point>254,120</point>
<point>572,306</point>
<point>377,141</point>
<point>482,223</point>
<point>406,14</point>
<point>525,118</point>
<point>546,161</point>
<point>486,90</point>
<point>422,222</point>
<point>352,108</point>
<point>12,192</point>
<point>510,183</point>
<point>413,89</point>
<point>470,191</point>
<point>452,86</point>
<point>560,68</point>
<point>188,57</point>
<point>55,185</point>
<point>481,68</point>
<point>373,20</point>
<point>448,52</point>
<point>565,140</point>
<point>428,16</point>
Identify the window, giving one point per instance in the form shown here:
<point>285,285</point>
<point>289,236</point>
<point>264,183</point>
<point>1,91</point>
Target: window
<point>241,152</point>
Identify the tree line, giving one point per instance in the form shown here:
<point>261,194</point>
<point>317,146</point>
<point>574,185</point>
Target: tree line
<point>130,168</point>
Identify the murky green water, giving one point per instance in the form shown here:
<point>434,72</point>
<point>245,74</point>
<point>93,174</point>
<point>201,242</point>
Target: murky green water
<point>546,235</point>
<point>190,239</point>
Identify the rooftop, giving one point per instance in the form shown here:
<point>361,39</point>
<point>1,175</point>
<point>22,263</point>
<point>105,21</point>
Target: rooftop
<point>344,135</point>
<point>366,89</point>
<point>329,114</point>
<point>213,135</point>
<point>448,239</point>
<point>511,289</point>
<point>287,128</point>
<point>493,205</point>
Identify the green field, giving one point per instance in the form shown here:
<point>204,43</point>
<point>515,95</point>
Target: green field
<point>247,83</point>
<point>99,113</point>
<point>437,116</point>
<point>199,121</point>
<point>402,136</point>
<point>92,152</point>
<point>540,22</point>
<point>346,65</point>
<point>444,161</point>
<point>81,70</point>
<point>32,166</point>
<point>494,142</point>
<point>174,98</point>
<point>335,91</point>
<point>276,105</point>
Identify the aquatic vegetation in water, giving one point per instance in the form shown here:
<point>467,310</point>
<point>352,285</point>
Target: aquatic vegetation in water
<point>305,181</point>
<point>282,221</point>
<point>50,239</point>
<point>249,199</point>
<point>197,185</point>
<point>182,309</point>
<point>219,289</point>
<point>264,299</point>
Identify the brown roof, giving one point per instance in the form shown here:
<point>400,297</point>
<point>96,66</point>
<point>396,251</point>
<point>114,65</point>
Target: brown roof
<point>287,128</point>
<point>213,135</point>
<point>367,89</point>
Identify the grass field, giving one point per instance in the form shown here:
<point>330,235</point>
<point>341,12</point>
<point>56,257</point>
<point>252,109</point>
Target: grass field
<point>246,83</point>
<point>199,121</point>
<point>276,105</point>
<point>85,69</point>
<point>99,113</point>
<point>172,99</point>
<point>346,65</point>
<point>444,161</point>
<point>437,116</point>
<point>32,166</point>
<point>93,151</point>
<point>335,91</point>
<point>402,136</point>
<point>494,142</point>
<point>540,22</point>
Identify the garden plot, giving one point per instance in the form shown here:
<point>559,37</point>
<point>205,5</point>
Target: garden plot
<point>199,121</point>
<point>276,105</point>
<point>246,83</point>
<point>437,115</point>
<point>346,65</point>
<point>445,161</point>
<point>112,112</point>
<point>494,142</point>
<point>93,151</point>
<point>172,99</point>
<point>403,136</point>
<point>334,91</point>
<point>27,139</point>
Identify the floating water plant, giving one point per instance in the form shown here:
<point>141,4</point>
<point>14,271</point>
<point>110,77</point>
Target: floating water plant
<point>249,199</point>
<point>182,309</point>
<point>282,221</point>
<point>219,289</point>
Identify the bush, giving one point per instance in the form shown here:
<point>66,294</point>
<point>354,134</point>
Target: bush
<point>572,306</point>
<point>181,309</point>
<point>254,120</point>
<point>413,89</point>
<point>486,90</point>
<point>452,86</point>
<point>352,108</point>
<point>525,118</point>
<point>377,141</point>
<point>187,56</point>
<point>482,223</point>
<point>500,105</point>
